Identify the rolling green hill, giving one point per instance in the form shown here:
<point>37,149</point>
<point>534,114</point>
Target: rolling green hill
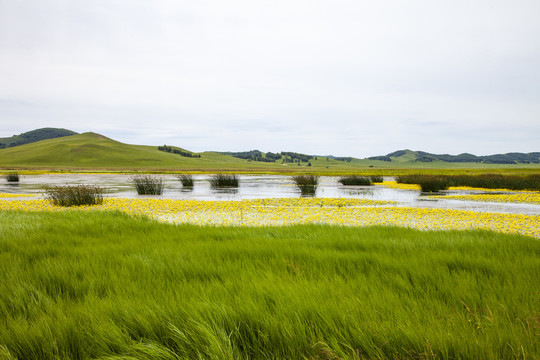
<point>402,156</point>
<point>94,152</point>
<point>33,136</point>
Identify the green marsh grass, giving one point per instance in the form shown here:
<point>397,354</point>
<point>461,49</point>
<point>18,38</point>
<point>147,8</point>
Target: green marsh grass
<point>186,180</point>
<point>355,180</point>
<point>307,184</point>
<point>488,181</point>
<point>105,285</point>
<point>12,177</point>
<point>75,195</point>
<point>495,181</point>
<point>224,180</point>
<point>376,179</point>
<point>148,184</point>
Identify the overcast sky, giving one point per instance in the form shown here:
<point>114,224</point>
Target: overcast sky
<point>350,78</point>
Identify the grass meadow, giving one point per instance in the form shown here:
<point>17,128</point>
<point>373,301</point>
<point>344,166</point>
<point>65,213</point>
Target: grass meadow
<point>106,285</point>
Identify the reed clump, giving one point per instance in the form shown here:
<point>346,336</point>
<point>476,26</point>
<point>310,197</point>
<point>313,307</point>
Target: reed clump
<point>306,183</point>
<point>12,177</point>
<point>428,183</point>
<point>355,180</point>
<point>186,180</point>
<point>77,195</point>
<point>376,179</point>
<point>224,180</point>
<point>148,184</point>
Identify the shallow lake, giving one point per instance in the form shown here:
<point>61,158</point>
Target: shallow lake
<point>259,186</point>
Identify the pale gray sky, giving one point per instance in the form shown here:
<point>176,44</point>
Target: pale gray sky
<point>344,77</point>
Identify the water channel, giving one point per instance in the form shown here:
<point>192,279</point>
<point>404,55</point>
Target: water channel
<point>260,186</point>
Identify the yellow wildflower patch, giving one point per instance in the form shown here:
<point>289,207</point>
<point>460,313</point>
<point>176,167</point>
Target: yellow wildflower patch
<point>521,197</point>
<point>288,211</point>
<point>396,185</point>
<point>6,195</point>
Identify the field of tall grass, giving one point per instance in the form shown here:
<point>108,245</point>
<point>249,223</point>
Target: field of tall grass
<point>89,285</point>
<point>488,181</point>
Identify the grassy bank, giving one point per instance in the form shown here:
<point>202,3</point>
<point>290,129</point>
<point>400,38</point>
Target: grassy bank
<point>82,285</point>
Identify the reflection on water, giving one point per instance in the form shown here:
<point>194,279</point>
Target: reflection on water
<point>225,190</point>
<point>254,187</point>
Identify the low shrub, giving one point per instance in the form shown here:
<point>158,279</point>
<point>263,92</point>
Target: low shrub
<point>148,184</point>
<point>355,180</point>
<point>12,177</point>
<point>224,180</point>
<point>306,183</point>
<point>75,195</point>
<point>186,180</point>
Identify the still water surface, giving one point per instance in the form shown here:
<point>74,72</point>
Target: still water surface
<point>259,186</point>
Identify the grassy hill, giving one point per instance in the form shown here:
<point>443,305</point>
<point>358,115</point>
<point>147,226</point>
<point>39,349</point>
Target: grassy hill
<point>403,156</point>
<point>94,152</point>
<point>33,136</point>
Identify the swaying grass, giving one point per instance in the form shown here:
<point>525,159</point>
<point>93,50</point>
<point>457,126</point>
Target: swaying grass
<point>77,195</point>
<point>355,180</point>
<point>487,181</point>
<point>148,184</point>
<point>12,177</point>
<point>376,179</point>
<point>186,180</point>
<point>104,285</point>
<point>224,180</point>
<point>307,184</point>
<point>494,181</point>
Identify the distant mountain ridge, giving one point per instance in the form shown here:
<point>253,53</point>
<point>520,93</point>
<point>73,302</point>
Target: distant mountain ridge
<point>422,156</point>
<point>34,136</point>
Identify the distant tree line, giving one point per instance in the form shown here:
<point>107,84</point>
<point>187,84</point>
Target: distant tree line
<point>380,158</point>
<point>34,136</point>
<point>284,156</point>
<point>292,157</point>
<point>255,155</point>
<point>169,149</point>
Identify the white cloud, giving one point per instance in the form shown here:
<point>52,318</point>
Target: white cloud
<point>311,76</point>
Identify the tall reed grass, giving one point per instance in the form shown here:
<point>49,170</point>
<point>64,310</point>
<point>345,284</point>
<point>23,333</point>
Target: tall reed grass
<point>186,180</point>
<point>488,181</point>
<point>355,180</point>
<point>224,180</point>
<point>12,177</point>
<point>307,184</point>
<point>98,285</point>
<point>75,195</point>
<point>495,181</point>
<point>148,184</point>
<point>376,179</point>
